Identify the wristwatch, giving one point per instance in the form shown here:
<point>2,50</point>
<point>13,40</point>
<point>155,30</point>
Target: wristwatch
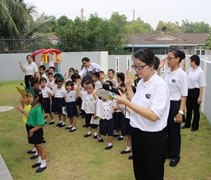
<point>180,112</point>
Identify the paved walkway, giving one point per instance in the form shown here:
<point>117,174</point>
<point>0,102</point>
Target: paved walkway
<point>4,172</point>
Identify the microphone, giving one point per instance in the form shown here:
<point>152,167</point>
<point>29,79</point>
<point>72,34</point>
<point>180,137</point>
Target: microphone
<point>110,88</point>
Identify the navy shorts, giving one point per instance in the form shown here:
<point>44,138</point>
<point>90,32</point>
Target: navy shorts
<point>37,137</point>
<point>88,118</point>
<point>107,127</point>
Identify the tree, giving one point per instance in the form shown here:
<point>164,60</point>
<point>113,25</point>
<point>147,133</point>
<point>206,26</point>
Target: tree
<point>170,27</point>
<point>140,27</point>
<point>197,27</point>
<point>207,43</point>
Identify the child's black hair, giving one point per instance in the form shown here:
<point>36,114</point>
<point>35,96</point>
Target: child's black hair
<point>84,79</point>
<point>122,84</point>
<point>111,71</point>
<point>96,74</point>
<point>33,80</point>
<point>75,76</point>
<point>121,76</point>
<point>52,68</point>
<point>43,79</point>
<point>38,93</point>
<point>109,82</point>
<point>90,82</point>
<point>59,79</point>
<point>50,73</point>
<point>42,67</point>
<point>69,83</point>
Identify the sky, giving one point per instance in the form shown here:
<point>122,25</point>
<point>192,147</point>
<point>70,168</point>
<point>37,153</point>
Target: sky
<point>150,11</point>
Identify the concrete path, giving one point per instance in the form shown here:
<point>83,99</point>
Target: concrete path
<point>4,172</point>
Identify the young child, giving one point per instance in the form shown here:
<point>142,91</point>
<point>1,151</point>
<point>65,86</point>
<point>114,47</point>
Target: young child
<point>42,69</point>
<point>111,78</point>
<point>70,100</point>
<point>59,102</point>
<point>50,83</point>
<point>120,77</point>
<point>96,80</point>
<point>35,122</point>
<point>47,99</point>
<point>104,110</point>
<point>102,77</point>
<point>88,106</point>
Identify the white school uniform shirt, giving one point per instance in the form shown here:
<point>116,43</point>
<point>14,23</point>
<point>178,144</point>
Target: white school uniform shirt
<point>70,96</point>
<point>88,104</point>
<point>98,84</point>
<point>30,68</point>
<point>114,104</point>
<point>153,95</point>
<point>50,84</point>
<point>45,92</point>
<point>83,93</point>
<point>93,66</point>
<point>196,78</point>
<point>45,76</point>
<point>59,92</point>
<point>114,81</point>
<point>104,110</point>
<point>177,82</point>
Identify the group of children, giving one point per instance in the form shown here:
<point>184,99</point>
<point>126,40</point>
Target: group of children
<point>65,96</point>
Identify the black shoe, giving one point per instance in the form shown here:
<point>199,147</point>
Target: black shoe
<point>124,152</point>
<point>87,135</point>
<point>183,127</point>
<point>173,162</point>
<point>95,137</point>
<point>130,157</point>
<point>193,129</point>
<point>31,152</point>
<point>120,138</point>
<point>115,135</point>
<point>52,122</point>
<point>62,125</point>
<point>100,140</point>
<point>58,124</point>
<point>39,170</point>
<point>108,147</point>
<point>34,157</point>
<point>36,165</point>
<point>84,125</point>
<point>68,128</point>
<point>72,130</point>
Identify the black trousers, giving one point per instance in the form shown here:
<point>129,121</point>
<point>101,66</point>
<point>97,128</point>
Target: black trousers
<point>26,79</point>
<point>149,154</point>
<point>192,107</point>
<point>174,136</point>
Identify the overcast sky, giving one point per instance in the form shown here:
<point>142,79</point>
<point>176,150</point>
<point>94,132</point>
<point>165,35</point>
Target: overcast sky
<point>150,11</point>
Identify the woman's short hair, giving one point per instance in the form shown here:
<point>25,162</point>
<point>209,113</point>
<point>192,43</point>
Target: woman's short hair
<point>196,59</point>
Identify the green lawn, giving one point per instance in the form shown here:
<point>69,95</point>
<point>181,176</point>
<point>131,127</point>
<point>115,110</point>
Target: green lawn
<point>71,156</point>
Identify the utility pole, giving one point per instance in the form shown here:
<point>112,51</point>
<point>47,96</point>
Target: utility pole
<point>133,31</point>
<point>82,14</point>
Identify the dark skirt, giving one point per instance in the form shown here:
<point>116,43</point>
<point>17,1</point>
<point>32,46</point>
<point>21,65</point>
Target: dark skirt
<point>57,105</point>
<point>128,128</point>
<point>71,109</point>
<point>47,106</point>
<point>37,137</point>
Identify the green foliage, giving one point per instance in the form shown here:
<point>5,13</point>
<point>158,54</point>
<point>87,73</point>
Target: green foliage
<point>197,27</point>
<point>207,43</point>
<point>170,27</point>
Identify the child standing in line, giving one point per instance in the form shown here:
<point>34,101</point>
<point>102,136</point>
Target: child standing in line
<point>42,69</point>
<point>47,100</point>
<point>35,122</point>
<point>70,99</point>
<point>111,78</point>
<point>88,106</point>
<point>50,83</point>
<point>104,110</point>
<point>59,102</point>
<point>96,80</point>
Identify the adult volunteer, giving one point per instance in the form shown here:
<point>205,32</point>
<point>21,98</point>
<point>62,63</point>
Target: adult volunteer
<point>148,118</point>
<point>29,68</point>
<point>89,68</point>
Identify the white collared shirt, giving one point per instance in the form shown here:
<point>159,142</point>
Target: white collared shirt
<point>98,84</point>
<point>70,96</point>
<point>104,110</point>
<point>196,78</point>
<point>177,82</point>
<point>153,95</point>
<point>45,92</point>
<point>88,104</point>
<point>83,93</point>
<point>30,68</point>
<point>59,92</point>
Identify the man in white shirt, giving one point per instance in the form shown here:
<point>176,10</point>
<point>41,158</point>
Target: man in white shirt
<point>89,68</point>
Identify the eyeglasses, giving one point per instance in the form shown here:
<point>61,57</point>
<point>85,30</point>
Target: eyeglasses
<point>138,67</point>
<point>170,58</point>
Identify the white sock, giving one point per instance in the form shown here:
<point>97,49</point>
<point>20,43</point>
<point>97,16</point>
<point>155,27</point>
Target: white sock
<point>70,126</point>
<point>109,144</point>
<point>63,123</point>
<point>127,148</point>
<point>39,159</point>
<point>43,163</point>
<point>95,133</point>
<point>60,121</point>
<point>73,128</point>
<point>36,153</point>
<point>34,149</point>
<point>52,120</point>
<point>99,138</point>
<point>122,136</point>
<point>89,132</point>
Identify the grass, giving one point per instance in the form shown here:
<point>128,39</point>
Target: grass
<point>71,156</point>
